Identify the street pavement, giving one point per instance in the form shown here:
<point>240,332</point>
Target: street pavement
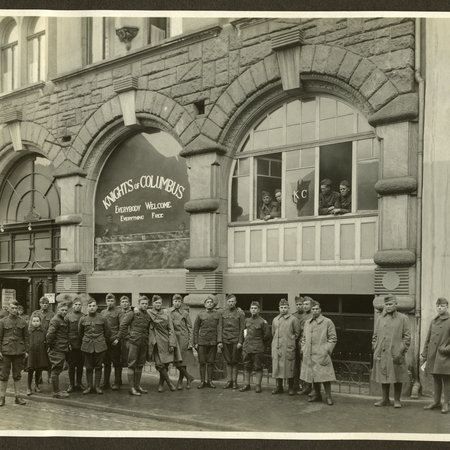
<point>216,410</point>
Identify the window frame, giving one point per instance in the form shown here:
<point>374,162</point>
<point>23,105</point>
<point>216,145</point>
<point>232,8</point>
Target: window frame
<point>15,57</point>
<point>41,57</point>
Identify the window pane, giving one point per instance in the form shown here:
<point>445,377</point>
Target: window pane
<point>260,140</point>
<point>276,137</point>
<point>240,209</point>
<point>255,245</point>
<point>293,112</point>
<point>272,245</point>
<point>42,59</point>
<point>246,146</point>
<point>290,244</point>
<point>299,193</point>
<point>33,52</point>
<point>21,248</point>
<point>336,163</point>
<point>308,131</point>
<point>343,109</point>
<point>309,110</point>
<point>263,166</point>
<point>344,125</point>
<point>293,135</point>
<point>367,177</point>
<point>276,118</point>
<point>275,169</point>
<point>364,149</point>
<point>244,166</point>
<point>363,125</point>
<point>239,246</point>
<point>262,125</point>
<point>327,108</point>
<point>308,157</point>
<point>327,128</point>
<point>293,159</point>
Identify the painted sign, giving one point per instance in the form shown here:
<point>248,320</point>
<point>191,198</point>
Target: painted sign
<point>8,295</point>
<point>50,297</point>
<point>139,206</point>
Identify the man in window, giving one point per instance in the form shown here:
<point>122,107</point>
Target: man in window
<point>269,208</point>
<point>328,199</point>
<point>278,196</point>
<point>345,199</point>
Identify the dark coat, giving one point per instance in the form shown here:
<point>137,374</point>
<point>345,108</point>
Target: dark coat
<point>208,328</point>
<point>58,334</point>
<point>73,319</point>
<point>135,327</point>
<point>95,332</point>
<point>318,341</point>
<point>163,335</point>
<point>285,332</point>
<point>257,334</point>
<point>14,338</point>
<point>37,357</point>
<point>233,326</point>
<point>437,340</point>
<point>45,318</point>
<point>113,317</point>
<point>326,200</point>
<point>185,337</point>
<point>391,339</point>
<point>272,210</point>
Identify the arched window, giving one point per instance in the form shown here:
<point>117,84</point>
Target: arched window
<point>36,50</point>
<point>10,57</point>
<point>289,152</point>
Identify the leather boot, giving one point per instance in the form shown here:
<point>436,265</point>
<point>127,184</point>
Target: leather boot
<point>187,375</point>
<point>397,394</point>
<point>202,376</point>
<point>445,404</point>
<point>168,381</point>
<point>18,400</point>
<point>210,370</point>
<point>106,377</point>
<point>234,376</point>
<point>79,377</point>
<point>306,389</point>
<point>180,381</point>
<point>71,387</point>
<point>137,380</point>
<point>90,382</point>
<point>2,400</point>
<point>57,393</point>
<point>317,397</point>
<point>131,389</point>
<point>258,379</point>
<point>161,383</point>
<point>291,386</point>
<point>279,388</point>
<point>246,386</point>
<point>98,377</point>
<point>385,400</point>
<point>437,394</point>
<point>229,383</point>
<point>327,387</point>
<point>117,379</point>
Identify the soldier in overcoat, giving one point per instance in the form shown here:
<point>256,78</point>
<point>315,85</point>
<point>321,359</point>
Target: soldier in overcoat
<point>95,332</point>
<point>136,325</point>
<point>300,316</point>
<point>285,332</point>
<point>257,333</point>
<point>307,314</point>
<point>114,353</point>
<point>318,341</point>
<point>436,354</point>
<point>207,334</point>
<point>232,340</point>
<point>58,347</point>
<point>162,348</point>
<point>125,307</point>
<point>185,339</point>
<point>14,346</point>
<point>390,342</point>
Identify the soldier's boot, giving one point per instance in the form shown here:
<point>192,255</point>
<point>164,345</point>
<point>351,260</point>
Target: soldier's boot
<point>210,371</point>
<point>291,391</point>
<point>161,383</point>
<point>71,387</point>
<point>328,398</point>
<point>106,377</point>
<point>18,399</point>
<point>307,388</point>
<point>437,394</point>
<point>235,375</point>
<point>202,376</point>
<point>246,386</point>
<point>89,380</point>
<point>317,397</point>
<point>167,379</point>
<point>3,386</point>
<point>397,394</point>
<point>79,377</point>
<point>385,400</point>
<point>57,393</point>
<point>258,379</point>
<point>29,382</point>
<point>229,383</point>
<point>279,388</point>
<point>137,380</point>
<point>117,378</point>
<point>98,377</point>
<point>445,404</point>
<point>187,375</point>
<point>131,389</point>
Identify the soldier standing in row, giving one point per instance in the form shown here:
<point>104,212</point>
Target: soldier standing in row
<point>300,316</point>
<point>232,339</point>
<point>307,314</point>
<point>14,347</point>
<point>94,332</point>
<point>257,333</point>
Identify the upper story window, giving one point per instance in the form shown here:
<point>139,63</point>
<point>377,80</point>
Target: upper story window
<point>36,50</point>
<point>10,57</point>
<point>157,29</point>
<point>312,156</point>
<point>96,39</point>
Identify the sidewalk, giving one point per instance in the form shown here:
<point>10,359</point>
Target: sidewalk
<point>234,411</point>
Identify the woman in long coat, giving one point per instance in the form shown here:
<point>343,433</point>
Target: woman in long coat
<point>318,342</point>
<point>285,332</point>
<point>162,348</point>
<point>390,342</point>
<point>183,330</point>
<point>436,354</point>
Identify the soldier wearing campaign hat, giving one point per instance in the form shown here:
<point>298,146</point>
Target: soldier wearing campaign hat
<point>390,342</point>
<point>328,199</point>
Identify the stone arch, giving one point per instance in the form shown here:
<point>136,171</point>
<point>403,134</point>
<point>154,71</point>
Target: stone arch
<point>165,112</point>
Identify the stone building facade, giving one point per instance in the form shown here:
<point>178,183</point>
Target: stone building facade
<point>230,107</point>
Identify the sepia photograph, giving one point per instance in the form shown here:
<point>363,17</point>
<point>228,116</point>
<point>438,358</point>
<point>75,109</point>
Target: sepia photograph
<point>225,225</point>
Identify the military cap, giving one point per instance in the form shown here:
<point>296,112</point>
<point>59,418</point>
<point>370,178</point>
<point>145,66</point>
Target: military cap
<point>442,301</point>
<point>277,190</point>
<point>43,300</point>
<point>265,194</point>
<point>390,298</point>
<point>255,304</point>
<point>326,182</point>
<point>231,296</point>
<point>344,183</point>
<point>283,301</point>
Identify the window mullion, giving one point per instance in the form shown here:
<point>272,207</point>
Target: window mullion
<point>252,189</point>
<point>316,181</point>
<point>354,190</point>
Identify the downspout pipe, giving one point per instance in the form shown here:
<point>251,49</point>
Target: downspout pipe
<point>418,307</point>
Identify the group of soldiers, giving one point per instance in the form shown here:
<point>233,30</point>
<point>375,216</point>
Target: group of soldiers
<point>122,336</point>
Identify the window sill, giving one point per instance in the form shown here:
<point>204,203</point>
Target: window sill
<point>24,89</point>
<point>303,219</point>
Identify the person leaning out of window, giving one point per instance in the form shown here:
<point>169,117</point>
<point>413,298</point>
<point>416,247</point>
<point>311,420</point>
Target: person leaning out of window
<point>328,199</point>
<point>269,208</point>
<point>344,205</point>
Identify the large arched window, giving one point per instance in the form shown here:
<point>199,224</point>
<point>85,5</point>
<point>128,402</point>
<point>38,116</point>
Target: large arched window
<point>292,149</point>
<point>10,57</point>
<point>140,221</point>
<point>36,50</point>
